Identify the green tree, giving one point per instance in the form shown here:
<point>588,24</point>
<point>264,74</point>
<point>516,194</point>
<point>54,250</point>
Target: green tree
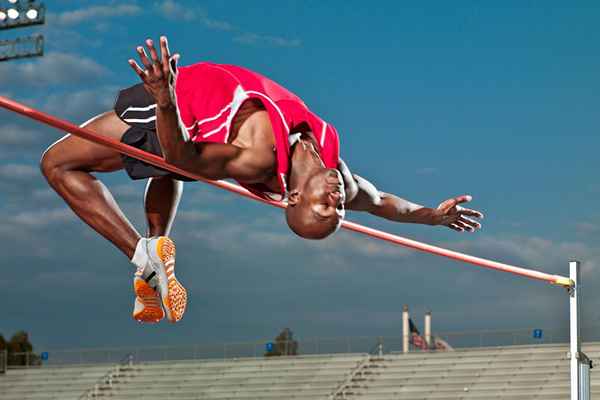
<point>284,345</point>
<point>20,350</point>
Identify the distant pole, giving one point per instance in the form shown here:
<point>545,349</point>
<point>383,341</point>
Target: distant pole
<point>575,331</point>
<point>405,329</point>
<point>428,329</point>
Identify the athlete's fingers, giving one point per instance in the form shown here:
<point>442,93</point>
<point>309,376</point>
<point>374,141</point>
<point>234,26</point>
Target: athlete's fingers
<point>164,54</point>
<point>156,64</point>
<point>153,53</point>
<point>144,58</point>
<point>138,70</point>
<point>456,227</point>
<point>453,202</point>
<point>470,221</point>
<point>465,226</point>
<point>465,198</point>
<point>469,212</point>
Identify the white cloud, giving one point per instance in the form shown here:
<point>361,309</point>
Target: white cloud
<point>13,134</point>
<point>94,13</point>
<point>42,218</point>
<point>52,69</point>
<point>174,11</point>
<point>45,194</point>
<point>255,39</point>
<point>194,216</point>
<point>127,190</point>
<point>353,243</point>
<point>201,193</point>
<point>81,105</point>
<point>586,228</point>
<point>18,171</point>
<point>533,252</point>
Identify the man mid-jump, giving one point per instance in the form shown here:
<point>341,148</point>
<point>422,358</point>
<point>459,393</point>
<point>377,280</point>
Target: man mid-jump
<point>216,121</point>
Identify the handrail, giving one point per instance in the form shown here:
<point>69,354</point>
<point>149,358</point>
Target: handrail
<point>107,378</point>
<point>341,388</point>
<point>377,348</point>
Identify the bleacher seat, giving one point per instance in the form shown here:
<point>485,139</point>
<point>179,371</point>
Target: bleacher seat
<point>500,373</point>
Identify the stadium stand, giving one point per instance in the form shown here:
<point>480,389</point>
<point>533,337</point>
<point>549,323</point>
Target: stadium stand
<point>49,383</point>
<point>510,373</point>
<point>304,377</point>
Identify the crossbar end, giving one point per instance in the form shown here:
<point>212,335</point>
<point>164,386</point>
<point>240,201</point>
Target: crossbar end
<point>563,281</point>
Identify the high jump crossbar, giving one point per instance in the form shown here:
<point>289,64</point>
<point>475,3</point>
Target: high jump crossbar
<point>579,364</point>
<point>352,226</point>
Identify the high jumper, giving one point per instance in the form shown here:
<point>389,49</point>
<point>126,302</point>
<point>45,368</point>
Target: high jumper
<point>216,121</point>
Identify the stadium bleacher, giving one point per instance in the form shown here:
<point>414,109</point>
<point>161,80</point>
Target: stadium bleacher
<point>50,383</point>
<point>510,372</point>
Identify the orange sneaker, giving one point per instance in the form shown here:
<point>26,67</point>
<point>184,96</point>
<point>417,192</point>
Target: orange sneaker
<point>148,305</point>
<point>161,253</point>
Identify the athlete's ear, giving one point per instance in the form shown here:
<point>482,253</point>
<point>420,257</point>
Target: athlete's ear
<point>293,197</point>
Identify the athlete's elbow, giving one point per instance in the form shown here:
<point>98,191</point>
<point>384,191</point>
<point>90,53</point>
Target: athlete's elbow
<point>174,160</point>
<point>197,167</point>
<point>179,158</point>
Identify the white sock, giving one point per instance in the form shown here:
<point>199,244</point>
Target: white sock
<point>140,256</point>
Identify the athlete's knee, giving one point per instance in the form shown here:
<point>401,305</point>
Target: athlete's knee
<point>52,163</point>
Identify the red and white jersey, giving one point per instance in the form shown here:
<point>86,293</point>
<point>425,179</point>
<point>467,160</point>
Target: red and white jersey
<point>209,95</point>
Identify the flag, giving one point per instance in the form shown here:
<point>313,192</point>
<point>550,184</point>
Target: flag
<point>415,336</point>
<point>441,345</point>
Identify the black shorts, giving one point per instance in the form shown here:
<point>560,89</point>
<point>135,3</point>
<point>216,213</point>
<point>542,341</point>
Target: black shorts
<point>137,108</point>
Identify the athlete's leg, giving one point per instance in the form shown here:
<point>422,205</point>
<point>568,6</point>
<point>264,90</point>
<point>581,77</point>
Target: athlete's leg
<point>160,202</point>
<point>68,165</point>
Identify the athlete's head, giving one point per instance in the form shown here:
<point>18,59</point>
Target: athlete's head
<point>316,198</point>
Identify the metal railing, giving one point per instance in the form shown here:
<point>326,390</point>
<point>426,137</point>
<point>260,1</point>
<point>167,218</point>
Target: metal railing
<point>369,344</point>
<point>339,392</point>
<point>106,381</point>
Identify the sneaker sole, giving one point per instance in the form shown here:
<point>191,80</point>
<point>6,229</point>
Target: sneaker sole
<point>175,301</point>
<point>152,311</point>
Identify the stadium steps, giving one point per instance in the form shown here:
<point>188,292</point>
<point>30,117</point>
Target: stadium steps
<point>50,383</point>
<point>503,373</point>
<point>299,377</point>
<point>510,373</point>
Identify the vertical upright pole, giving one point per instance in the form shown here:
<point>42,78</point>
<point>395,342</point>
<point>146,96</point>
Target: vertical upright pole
<point>428,329</point>
<point>575,345</point>
<point>405,329</point>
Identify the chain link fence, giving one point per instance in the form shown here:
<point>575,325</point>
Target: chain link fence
<point>306,347</point>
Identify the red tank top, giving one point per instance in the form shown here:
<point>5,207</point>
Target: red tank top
<point>209,95</point>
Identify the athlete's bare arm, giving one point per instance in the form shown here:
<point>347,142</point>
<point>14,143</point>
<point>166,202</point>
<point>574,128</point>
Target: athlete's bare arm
<point>362,195</point>
<point>209,160</point>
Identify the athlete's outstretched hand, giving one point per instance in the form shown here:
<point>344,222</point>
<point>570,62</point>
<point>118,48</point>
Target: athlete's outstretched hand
<point>156,72</point>
<point>456,217</point>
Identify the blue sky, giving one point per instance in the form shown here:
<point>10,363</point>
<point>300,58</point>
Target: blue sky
<point>431,101</point>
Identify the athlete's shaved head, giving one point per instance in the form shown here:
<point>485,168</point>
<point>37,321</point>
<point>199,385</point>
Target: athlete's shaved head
<point>316,208</point>
<point>316,197</point>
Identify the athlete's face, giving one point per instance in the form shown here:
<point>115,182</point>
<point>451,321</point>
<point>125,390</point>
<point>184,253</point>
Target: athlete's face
<point>325,193</point>
<point>317,210</point>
